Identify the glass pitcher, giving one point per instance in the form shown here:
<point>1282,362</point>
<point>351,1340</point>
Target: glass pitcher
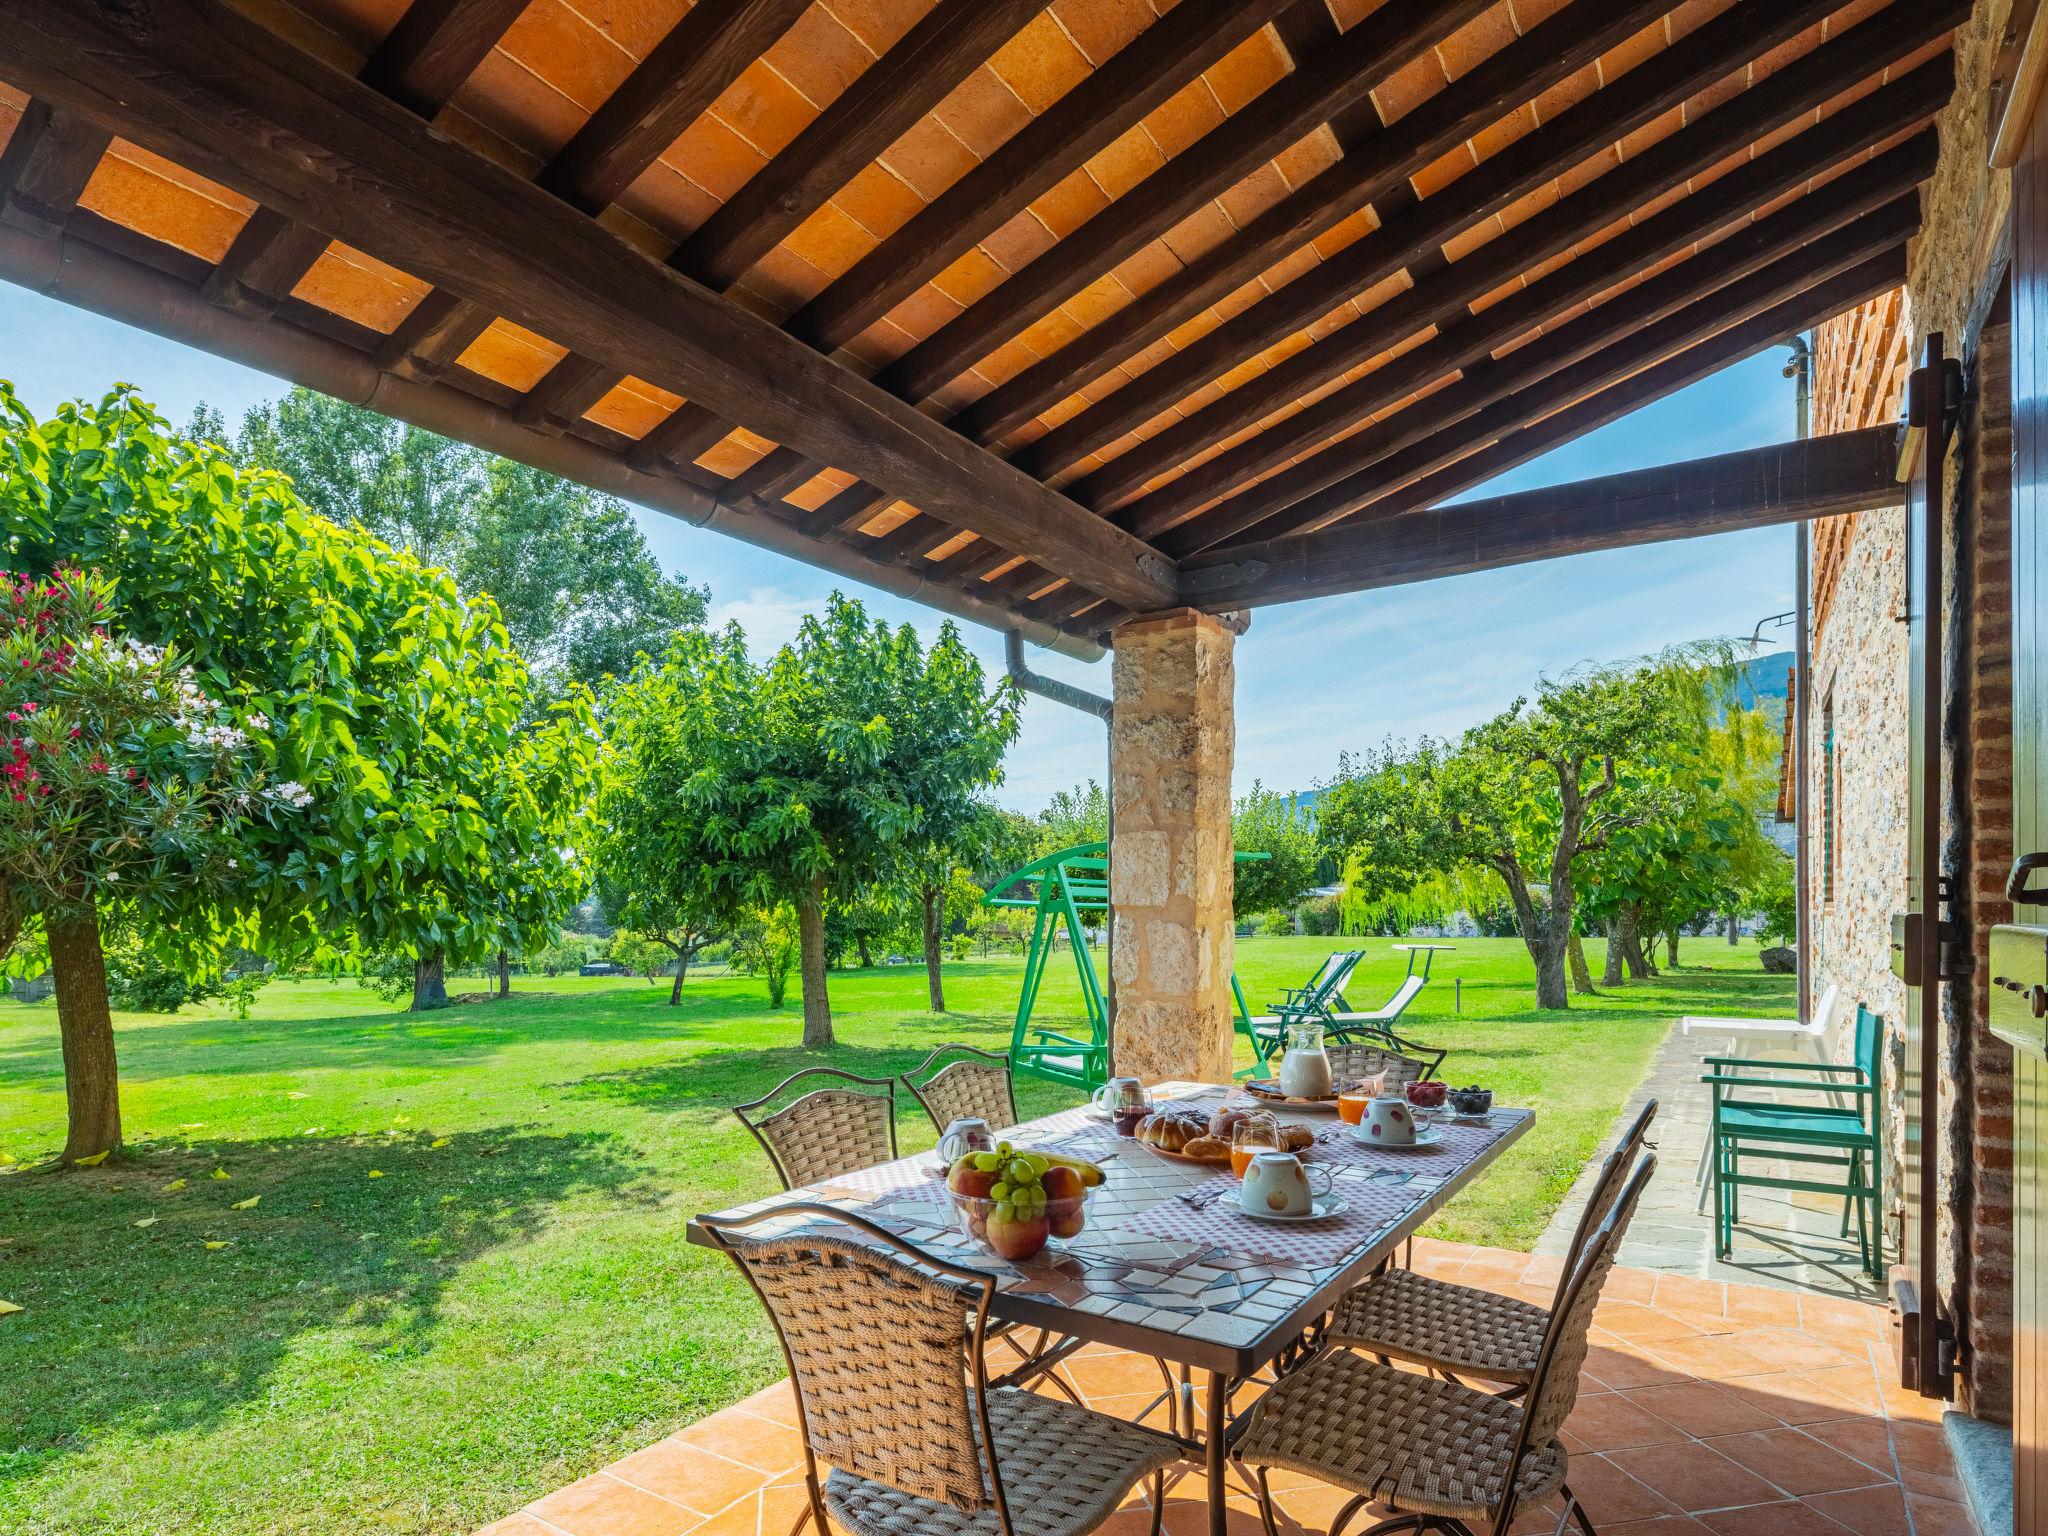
<point>1305,1070</point>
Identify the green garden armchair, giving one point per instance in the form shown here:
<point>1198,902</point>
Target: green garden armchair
<point>1325,990</point>
<point>1794,1126</point>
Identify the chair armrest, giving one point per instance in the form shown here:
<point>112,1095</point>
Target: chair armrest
<point>1783,1066</point>
<point>1052,1037</point>
<point>1719,1081</point>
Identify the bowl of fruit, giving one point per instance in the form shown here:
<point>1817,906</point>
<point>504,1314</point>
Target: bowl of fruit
<point>1014,1201</point>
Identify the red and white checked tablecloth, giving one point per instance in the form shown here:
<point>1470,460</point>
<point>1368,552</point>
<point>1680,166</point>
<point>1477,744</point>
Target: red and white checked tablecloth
<point>911,1179</point>
<point>1371,1206</point>
<point>1461,1142</point>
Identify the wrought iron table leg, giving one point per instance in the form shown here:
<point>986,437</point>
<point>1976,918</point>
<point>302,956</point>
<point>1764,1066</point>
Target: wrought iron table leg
<point>1217,1452</point>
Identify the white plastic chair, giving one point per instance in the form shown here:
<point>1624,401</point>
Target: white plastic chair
<point>1812,1039</point>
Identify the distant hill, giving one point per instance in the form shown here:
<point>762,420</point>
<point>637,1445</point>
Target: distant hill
<point>1764,683</point>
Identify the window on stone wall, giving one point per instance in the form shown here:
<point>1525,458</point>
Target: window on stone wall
<point>1829,842</point>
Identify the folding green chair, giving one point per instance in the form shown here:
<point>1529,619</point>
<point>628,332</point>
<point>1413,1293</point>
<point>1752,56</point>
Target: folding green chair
<point>1812,1134</point>
<point>1268,1031</point>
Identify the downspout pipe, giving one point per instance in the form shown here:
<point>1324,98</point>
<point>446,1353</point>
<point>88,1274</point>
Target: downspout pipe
<point>107,284</point>
<point>1800,369</point>
<point>1104,710</point>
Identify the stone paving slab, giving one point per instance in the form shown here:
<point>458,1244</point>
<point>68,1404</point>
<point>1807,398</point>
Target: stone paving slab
<point>1784,1239</point>
<point>1706,1409</point>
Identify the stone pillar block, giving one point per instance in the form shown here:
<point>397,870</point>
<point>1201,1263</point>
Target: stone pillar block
<point>1171,746</point>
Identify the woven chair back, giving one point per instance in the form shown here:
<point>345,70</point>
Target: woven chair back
<point>1555,1389</point>
<point>888,1375</point>
<point>829,1131</point>
<point>1606,1189</point>
<point>1350,1061</point>
<point>977,1086</point>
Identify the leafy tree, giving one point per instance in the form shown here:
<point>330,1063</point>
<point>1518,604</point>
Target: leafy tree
<point>1273,824</point>
<point>888,745</point>
<point>1071,817</point>
<point>765,944</point>
<point>697,822</point>
<point>642,954</point>
<point>563,953</point>
<point>580,594</point>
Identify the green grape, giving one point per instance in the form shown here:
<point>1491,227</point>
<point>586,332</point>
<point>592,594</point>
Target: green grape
<point>1037,1164</point>
<point>1001,1191</point>
<point>1019,1171</point>
<point>987,1162</point>
<point>1004,1211</point>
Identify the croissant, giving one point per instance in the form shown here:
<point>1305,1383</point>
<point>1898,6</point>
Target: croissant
<point>1170,1130</point>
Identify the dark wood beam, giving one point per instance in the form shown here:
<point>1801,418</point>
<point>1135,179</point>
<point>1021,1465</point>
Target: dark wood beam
<point>1520,72</point>
<point>1407,233</point>
<point>1540,386</point>
<point>435,47</point>
<point>841,517</point>
<point>669,90</point>
<point>1439,300</point>
<point>438,330</point>
<point>564,393</point>
<point>264,264</point>
<point>678,438</point>
<point>1344,73</point>
<point>201,83</point>
<point>1788,482</point>
<point>952,40</point>
<point>1140,76</point>
<point>48,160</point>
<point>1418,447</point>
<point>775,474</point>
<point>1510,440</point>
<point>1458,347</point>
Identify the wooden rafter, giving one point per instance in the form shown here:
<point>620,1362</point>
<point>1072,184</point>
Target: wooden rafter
<point>196,79</point>
<point>435,46</point>
<point>45,166</point>
<point>1439,300</point>
<point>1788,482</point>
<point>1359,60</point>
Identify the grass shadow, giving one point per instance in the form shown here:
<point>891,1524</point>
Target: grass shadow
<point>331,1260</point>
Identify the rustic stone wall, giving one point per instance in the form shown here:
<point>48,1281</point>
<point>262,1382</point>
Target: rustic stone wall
<point>1171,744</point>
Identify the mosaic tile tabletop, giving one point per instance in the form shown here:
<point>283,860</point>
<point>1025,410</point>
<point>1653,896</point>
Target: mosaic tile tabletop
<point>1205,1285</point>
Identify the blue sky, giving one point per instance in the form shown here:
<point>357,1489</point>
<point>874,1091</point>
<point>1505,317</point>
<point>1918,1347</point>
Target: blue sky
<point>1314,678</point>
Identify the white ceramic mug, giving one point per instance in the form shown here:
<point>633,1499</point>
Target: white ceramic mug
<point>1117,1092</point>
<point>1277,1184</point>
<point>967,1134</point>
<point>1389,1122</point>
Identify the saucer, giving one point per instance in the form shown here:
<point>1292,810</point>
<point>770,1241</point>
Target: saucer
<point>1426,1136</point>
<point>1323,1207</point>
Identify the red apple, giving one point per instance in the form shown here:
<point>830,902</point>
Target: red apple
<point>1066,1217</point>
<point>1020,1237</point>
<point>966,1179</point>
<point>1063,1183</point>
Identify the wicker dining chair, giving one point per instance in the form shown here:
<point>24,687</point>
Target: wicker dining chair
<point>1351,1060</point>
<point>1461,1330</point>
<point>977,1085</point>
<point>828,1131</point>
<point>892,1392</point>
<point>1441,1455</point>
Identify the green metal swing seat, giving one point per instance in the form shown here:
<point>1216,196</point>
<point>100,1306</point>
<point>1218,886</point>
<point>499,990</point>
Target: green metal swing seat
<point>1831,1135</point>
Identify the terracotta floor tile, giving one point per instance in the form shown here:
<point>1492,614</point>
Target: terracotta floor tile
<point>1717,1358</point>
<point>521,1524</point>
<point>752,1442</point>
<point>1657,1525</point>
<point>1697,1295</point>
<point>1646,1325</point>
<point>1940,1517</point>
<point>1630,1285</point>
<point>1790,1518</point>
<point>1796,1462</point>
<point>1796,1398</point>
<point>1622,1368</point>
<point>1854,1385</point>
<point>1868,1440</point>
<point>692,1477</point>
<point>1611,1496</point>
<point>1702,1409</point>
<point>1824,1314</point>
<point>1874,1511</point>
<point>1923,1446</point>
<point>1609,1421</point>
<point>1114,1375</point>
<point>603,1506</point>
<point>1694,1477</point>
<point>1757,1304</point>
<point>1794,1349</point>
<point>1901,1404</point>
<point>777,1404</point>
<point>1934,1485</point>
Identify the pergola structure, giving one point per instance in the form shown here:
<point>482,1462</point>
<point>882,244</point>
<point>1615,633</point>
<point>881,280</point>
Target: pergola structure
<point>1096,320</point>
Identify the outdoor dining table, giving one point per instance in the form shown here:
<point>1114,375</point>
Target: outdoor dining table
<point>1167,1265</point>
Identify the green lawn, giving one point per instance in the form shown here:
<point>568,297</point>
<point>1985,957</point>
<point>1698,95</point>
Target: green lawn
<point>423,1351</point>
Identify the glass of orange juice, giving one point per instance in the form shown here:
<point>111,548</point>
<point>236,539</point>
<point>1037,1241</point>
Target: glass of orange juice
<point>1353,1097</point>
<point>1251,1136</point>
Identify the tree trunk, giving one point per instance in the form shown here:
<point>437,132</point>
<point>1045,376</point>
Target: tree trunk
<point>1575,954</point>
<point>92,1087</point>
<point>934,979</point>
<point>860,947</point>
<point>1734,931</point>
<point>810,927</point>
<point>504,974</point>
<point>429,983</point>
<point>1620,930</point>
<point>1550,987</point>
<point>675,992</point>
<point>1671,949</point>
<point>1640,966</point>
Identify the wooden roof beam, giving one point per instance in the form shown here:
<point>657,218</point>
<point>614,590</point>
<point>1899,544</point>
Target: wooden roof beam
<point>435,47</point>
<point>1757,487</point>
<point>1407,231</point>
<point>1133,81</point>
<point>954,38</point>
<point>1507,436</point>
<point>1637,328</point>
<point>1279,116</point>
<point>666,92</point>
<point>1552,51</point>
<point>201,83</point>
<point>1438,299</point>
<point>49,158</point>
<point>1457,347</point>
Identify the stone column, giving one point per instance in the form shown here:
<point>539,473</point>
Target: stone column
<point>1171,745</point>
